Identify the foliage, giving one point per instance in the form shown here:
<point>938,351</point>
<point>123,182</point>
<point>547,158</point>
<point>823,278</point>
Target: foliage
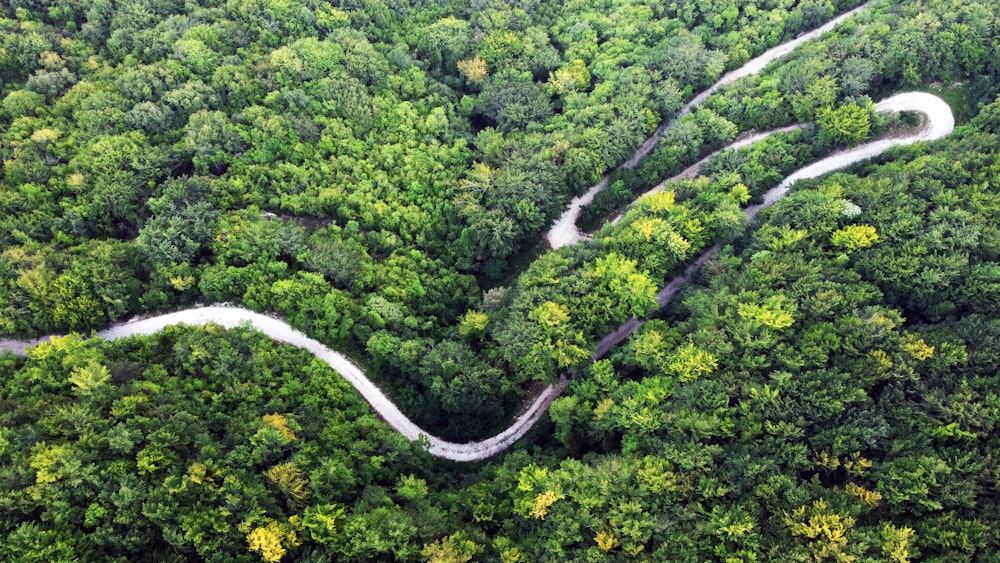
<point>846,125</point>
<point>201,442</point>
<point>826,389</point>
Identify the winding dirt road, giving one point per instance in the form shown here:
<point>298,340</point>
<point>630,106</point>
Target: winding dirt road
<point>564,231</point>
<point>940,122</point>
<point>280,331</point>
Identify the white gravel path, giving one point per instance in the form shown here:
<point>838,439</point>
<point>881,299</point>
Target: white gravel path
<point>757,64</point>
<point>692,171</point>
<point>940,123</point>
<point>564,232</point>
<point>280,331</point>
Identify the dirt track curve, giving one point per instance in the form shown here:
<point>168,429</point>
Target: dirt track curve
<point>564,231</point>
<point>280,331</point>
<point>940,122</point>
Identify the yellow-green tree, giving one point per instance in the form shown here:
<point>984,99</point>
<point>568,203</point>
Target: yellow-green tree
<point>846,125</point>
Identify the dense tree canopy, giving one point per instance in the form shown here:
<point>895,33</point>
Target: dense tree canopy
<point>378,173</point>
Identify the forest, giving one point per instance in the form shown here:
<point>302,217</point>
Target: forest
<point>380,174</point>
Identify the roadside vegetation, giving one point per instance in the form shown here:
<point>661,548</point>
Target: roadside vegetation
<point>825,390</point>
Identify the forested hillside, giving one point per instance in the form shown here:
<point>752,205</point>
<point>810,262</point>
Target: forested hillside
<point>376,173</point>
<point>407,150</point>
